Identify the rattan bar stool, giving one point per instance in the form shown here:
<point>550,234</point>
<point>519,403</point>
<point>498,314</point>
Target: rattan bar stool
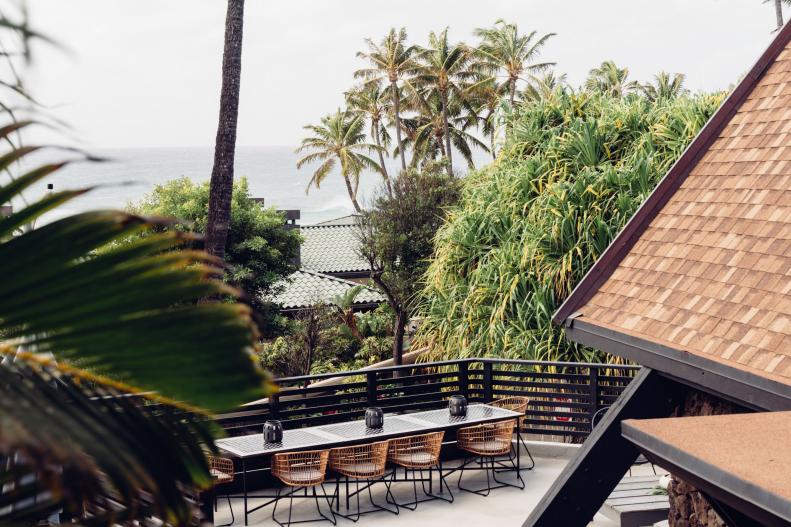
<point>364,464</point>
<point>302,470</point>
<point>486,443</point>
<point>222,473</point>
<point>420,452</point>
<point>518,404</point>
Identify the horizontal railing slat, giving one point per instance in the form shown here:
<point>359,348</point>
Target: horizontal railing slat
<point>563,395</point>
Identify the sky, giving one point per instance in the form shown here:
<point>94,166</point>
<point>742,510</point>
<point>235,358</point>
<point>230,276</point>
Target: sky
<point>146,73</point>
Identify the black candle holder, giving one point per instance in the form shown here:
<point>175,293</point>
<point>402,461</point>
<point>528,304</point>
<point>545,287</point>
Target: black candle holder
<point>273,432</point>
<point>374,418</point>
<point>457,405</point>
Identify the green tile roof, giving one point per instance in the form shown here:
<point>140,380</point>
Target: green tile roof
<point>332,248</point>
<point>305,288</point>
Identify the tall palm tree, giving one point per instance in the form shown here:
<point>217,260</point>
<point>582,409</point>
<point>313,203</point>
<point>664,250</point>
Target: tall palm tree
<point>665,86</point>
<point>610,79</point>
<point>485,99</point>
<point>428,129</point>
<point>221,187</point>
<point>505,52</point>
<point>390,61</point>
<point>444,68</point>
<point>374,104</point>
<point>340,138</point>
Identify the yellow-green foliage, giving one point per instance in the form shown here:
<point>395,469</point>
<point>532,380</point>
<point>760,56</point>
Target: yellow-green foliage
<point>574,169</point>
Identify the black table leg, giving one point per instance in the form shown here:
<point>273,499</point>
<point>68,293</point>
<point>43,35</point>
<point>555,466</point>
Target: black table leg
<point>518,451</point>
<point>244,487</point>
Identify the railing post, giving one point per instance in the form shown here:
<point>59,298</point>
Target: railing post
<point>464,379</point>
<point>370,387</point>
<point>487,382</point>
<point>274,406</point>
<point>593,391</point>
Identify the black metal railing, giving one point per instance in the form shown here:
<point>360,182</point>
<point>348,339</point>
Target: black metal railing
<point>564,396</point>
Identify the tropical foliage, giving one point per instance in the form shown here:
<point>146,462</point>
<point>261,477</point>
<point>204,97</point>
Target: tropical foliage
<point>574,169</point>
<point>260,249</point>
<point>328,337</point>
<point>86,316</point>
<point>109,360</point>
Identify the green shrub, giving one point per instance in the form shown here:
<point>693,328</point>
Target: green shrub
<point>260,250</point>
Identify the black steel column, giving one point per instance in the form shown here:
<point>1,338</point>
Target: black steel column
<point>487,382</point>
<point>606,455</point>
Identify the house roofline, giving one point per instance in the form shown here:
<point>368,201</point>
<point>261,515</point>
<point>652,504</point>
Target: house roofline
<point>625,240</point>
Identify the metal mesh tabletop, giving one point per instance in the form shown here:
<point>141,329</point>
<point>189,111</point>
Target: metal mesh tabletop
<point>475,413</point>
<point>357,429</point>
<point>329,436</point>
<point>254,444</point>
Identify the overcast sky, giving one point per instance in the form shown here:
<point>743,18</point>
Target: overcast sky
<point>145,73</point>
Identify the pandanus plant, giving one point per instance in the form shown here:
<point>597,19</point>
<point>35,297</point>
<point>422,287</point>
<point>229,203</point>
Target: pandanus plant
<point>572,171</point>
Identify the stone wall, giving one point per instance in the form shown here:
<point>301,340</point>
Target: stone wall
<point>688,508</point>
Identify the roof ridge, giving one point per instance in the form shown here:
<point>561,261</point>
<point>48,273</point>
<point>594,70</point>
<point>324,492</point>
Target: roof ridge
<point>335,278</point>
<point>625,240</point>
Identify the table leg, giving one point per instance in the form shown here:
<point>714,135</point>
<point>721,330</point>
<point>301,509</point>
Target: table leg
<point>518,451</point>
<point>206,500</point>
<point>244,487</point>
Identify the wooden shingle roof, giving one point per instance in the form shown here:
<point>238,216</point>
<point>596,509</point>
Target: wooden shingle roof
<point>704,267</point>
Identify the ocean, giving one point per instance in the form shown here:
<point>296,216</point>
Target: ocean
<point>129,174</point>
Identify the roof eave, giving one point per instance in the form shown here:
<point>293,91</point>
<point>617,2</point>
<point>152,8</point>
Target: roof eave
<point>734,384</point>
<point>625,240</point>
<point>721,485</point>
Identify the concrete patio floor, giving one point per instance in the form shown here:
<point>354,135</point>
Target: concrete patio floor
<point>505,507</point>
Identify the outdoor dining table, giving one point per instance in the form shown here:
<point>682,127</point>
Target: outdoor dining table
<point>328,436</point>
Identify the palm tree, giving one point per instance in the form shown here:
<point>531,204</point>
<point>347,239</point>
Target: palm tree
<point>428,128</point>
<point>391,60</point>
<point>221,187</point>
<point>610,79</point>
<point>371,102</point>
<point>344,308</point>
<point>339,138</point>
<point>485,99</point>
<point>543,86</point>
<point>778,4</point>
<point>444,68</point>
<point>503,51</point>
<point>665,86</point>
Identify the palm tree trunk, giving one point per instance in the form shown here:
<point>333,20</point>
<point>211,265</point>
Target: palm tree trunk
<point>491,141</point>
<point>221,186</point>
<point>378,142</point>
<point>446,131</point>
<point>512,91</point>
<point>352,194</point>
<point>779,13</point>
<point>397,109</point>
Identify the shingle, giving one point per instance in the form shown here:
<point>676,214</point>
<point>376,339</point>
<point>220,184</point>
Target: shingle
<point>711,273</point>
<point>306,288</point>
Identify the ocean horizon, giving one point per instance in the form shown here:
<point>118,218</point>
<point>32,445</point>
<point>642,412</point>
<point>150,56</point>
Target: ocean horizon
<point>128,174</point>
